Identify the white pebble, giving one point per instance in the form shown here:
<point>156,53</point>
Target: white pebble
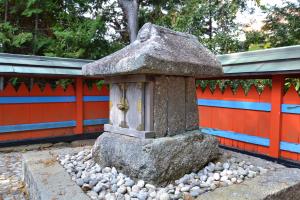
<point>226,165</point>
<point>185,188</point>
<point>224,178</point>
<point>150,186</point>
<point>135,189</point>
<point>233,180</point>
<point>216,176</point>
<point>141,183</point>
<point>110,196</point>
<point>164,196</point>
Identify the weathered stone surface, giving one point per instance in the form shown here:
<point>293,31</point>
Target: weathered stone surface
<point>191,107</point>
<point>176,105</point>
<point>160,106</point>
<point>275,185</point>
<point>159,50</point>
<point>155,160</point>
<point>47,180</point>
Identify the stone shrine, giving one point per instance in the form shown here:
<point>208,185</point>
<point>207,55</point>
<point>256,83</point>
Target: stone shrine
<point>153,132</point>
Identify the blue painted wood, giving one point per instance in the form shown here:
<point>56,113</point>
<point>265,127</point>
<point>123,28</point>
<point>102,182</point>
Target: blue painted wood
<point>290,108</point>
<point>95,98</point>
<point>237,136</point>
<point>36,126</point>
<point>50,99</point>
<point>89,122</point>
<point>38,99</point>
<point>235,104</point>
<point>289,146</point>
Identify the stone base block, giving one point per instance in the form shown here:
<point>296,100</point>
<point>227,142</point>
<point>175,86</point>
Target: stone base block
<point>159,160</point>
<point>46,179</point>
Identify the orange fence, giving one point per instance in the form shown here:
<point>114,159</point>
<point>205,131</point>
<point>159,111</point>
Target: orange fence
<point>266,123</point>
<point>36,113</point>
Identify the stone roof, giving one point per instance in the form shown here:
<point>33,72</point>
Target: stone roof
<point>158,50</point>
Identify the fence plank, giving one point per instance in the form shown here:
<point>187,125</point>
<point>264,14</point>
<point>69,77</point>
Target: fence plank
<point>79,106</point>
<point>96,107</point>
<point>239,116</point>
<point>276,100</point>
<point>264,120</point>
<point>290,123</point>
<point>251,124</point>
<point>228,122</point>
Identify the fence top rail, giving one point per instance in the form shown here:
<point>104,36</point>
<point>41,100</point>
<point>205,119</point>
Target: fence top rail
<point>26,64</point>
<point>283,60</point>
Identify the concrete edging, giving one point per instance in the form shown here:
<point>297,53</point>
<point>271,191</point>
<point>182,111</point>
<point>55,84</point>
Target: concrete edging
<point>46,179</point>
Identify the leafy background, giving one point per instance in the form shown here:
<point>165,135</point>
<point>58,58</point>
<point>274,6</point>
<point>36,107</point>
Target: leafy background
<point>91,29</point>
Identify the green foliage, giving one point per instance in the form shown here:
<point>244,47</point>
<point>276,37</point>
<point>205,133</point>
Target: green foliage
<point>283,25</point>
<point>92,29</point>
<point>12,38</point>
<point>212,21</point>
<point>55,28</point>
<point>21,39</point>
<point>292,82</point>
<point>79,40</point>
<point>64,83</point>
<point>246,84</point>
<point>281,28</point>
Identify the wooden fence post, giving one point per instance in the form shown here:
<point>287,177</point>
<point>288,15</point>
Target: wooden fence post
<point>79,106</point>
<point>276,101</point>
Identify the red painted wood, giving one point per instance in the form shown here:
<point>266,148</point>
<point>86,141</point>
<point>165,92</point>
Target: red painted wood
<point>79,106</point>
<point>12,114</point>
<point>93,129</point>
<point>227,122</point>
<point>264,120</point>
<point>36,134</point>
<point>237,120</point>
<point>276,100</point>
<point>23,90</point>
<point>204,112</point>
<point>9,90</point>
<point>59,91</point>
<point>216,121</point>
<point>48,91</point>
<point>95,110</point>
<point>263,124</point>
<point>36,90</point>
<point>238,115</point>
<point>290,124</point>
<point>251,124</point>
<point>69,91</point>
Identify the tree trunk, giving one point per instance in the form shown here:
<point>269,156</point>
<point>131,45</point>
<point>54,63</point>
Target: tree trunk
<point>210,21</point>
<point>36,21</point>
<point>6,11</point>
<point>130,9</point>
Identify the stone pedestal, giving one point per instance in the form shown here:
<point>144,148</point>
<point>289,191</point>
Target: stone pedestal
<point>157,161</point>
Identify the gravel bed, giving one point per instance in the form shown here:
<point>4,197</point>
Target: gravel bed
<point>107,183</point>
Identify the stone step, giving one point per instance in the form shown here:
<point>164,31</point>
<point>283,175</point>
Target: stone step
<point>284,183</point>
<point>46,179</point>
